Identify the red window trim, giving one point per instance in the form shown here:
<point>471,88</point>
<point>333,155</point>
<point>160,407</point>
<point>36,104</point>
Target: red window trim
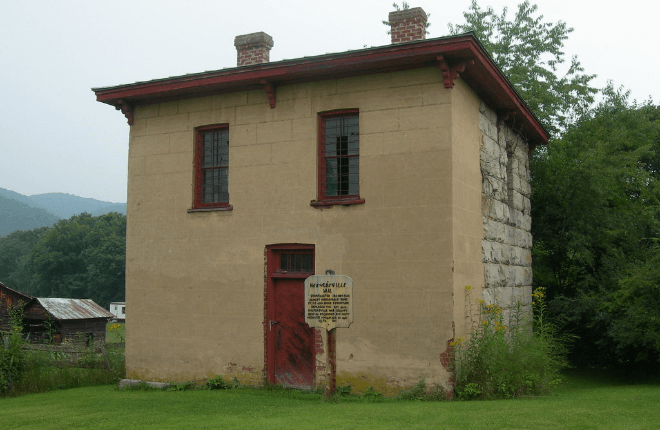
<point>198,206</point>
<point>323,201</point>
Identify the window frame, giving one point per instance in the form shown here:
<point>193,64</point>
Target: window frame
<point>198,188</point>
<point>323,200</point>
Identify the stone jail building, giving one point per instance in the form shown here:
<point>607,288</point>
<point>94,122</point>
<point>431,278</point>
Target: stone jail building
<point>403,166</point>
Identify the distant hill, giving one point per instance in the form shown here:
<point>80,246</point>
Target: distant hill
<point>66,205</point>
<point>21,212</point>
<point>18,215</point>
<point>110,207</point>
<point>20,197</point>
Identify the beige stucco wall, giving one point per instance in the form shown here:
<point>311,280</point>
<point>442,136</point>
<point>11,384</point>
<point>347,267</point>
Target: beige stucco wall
<point>466,204</point>
<point>195,281</point>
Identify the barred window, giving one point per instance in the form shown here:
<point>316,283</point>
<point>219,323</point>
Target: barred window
<point>212,167</point>
<point>297,262</point>
<point>339,158</point>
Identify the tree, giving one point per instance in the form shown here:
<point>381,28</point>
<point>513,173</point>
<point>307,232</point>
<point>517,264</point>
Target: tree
<point>634,310</point>
<point>530,53</point>
<point>596,212</point>
<point>58,259</point>
<point>105,257</point>
<point>14,257</point>
<point>595,191</point>
<point>82,257</point>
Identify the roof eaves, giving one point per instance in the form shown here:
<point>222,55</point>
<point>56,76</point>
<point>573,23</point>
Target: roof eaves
<point>71,309</point>
<point>485,77</point>
<point>27,296</point>
<point>273,64</point>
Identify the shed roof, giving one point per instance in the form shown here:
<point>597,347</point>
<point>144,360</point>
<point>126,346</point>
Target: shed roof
<point>18,293</point>
<point>456,56</point>
<point>73,309</point>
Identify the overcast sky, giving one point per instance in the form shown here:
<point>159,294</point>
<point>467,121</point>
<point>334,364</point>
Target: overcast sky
<point>54,136</point>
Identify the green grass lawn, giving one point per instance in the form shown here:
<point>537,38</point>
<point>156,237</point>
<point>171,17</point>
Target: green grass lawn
<point>583,402</point>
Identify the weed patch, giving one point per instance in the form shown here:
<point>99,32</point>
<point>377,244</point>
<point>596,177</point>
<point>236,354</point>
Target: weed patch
<point>12,355</point>
<point>420,391</point>
<point>142,386</point>
<point>520,356</point>
<point>27,368</point>
<point>344,390</point>
<point>217,383</point>
<point>372,395</point>
<point>51,369</point>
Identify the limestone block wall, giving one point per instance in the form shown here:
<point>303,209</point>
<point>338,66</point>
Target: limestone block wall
<point>507,242</point>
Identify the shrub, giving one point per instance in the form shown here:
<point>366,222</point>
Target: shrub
<point>12,355</point>
<point>217,383</point>
<point>502,358</point>
<point>344,390</point>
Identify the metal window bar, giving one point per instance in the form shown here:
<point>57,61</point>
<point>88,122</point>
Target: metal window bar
<point>342,150</point>
<point>301,263</point>
<point>215,167</point>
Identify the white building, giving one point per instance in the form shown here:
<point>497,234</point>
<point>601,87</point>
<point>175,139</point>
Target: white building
<point>118,309</point>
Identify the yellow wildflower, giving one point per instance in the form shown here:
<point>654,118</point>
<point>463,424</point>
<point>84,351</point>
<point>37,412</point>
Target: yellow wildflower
<point>457,341</point>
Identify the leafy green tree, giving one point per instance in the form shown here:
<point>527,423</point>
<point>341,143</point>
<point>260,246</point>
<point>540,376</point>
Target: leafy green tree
<point>15,271</point>
<point>58,259</point>
<point>530,53</point>
<point>595,200</point>
<point>105,259</point>
<point>596,212</point>
<point>634,310</point>
<point>82,257</point>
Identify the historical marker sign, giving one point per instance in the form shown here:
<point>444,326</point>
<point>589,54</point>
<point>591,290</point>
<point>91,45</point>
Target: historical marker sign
<point>329,301</point>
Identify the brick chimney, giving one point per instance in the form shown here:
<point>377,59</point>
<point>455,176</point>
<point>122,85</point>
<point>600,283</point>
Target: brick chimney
<point>408,25</point>
<point>253,48</point>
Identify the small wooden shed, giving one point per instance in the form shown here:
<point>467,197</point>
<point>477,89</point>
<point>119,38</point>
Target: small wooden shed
<point>75,320</point>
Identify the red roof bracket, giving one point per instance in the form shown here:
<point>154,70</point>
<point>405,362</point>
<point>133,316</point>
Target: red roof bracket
<point>126,109</point>
<point>270,92</point>
<point>502,117</point>
<point>450,73</point>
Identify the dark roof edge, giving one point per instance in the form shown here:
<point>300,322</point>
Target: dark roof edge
<point>29,297</point>
<point>482,74</point>
<point>274,64</point>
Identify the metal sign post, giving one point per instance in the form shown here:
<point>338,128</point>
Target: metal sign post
<point>329,304</point>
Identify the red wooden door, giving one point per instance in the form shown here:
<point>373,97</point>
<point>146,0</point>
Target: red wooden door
<point>290,359</point>
<point>293,339</point>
